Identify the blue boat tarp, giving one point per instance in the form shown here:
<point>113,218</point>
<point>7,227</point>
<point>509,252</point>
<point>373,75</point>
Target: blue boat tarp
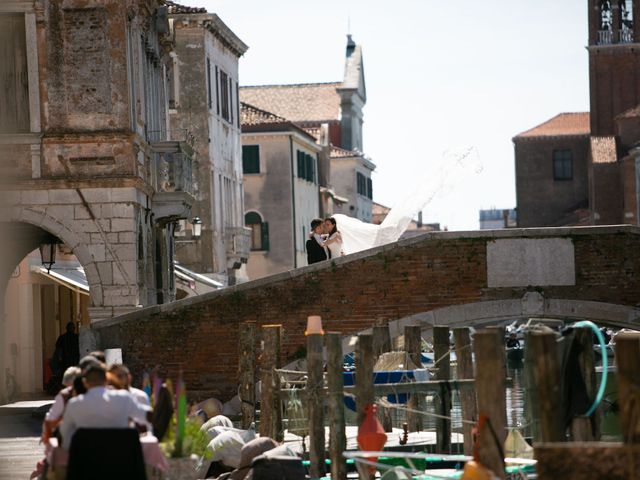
<point>394,376</point>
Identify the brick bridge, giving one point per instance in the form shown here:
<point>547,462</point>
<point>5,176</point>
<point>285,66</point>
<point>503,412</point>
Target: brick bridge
<point>448,278</point>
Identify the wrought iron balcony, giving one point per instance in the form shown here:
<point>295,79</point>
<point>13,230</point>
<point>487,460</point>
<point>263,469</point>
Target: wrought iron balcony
<point>238,241</point>
<point>173,179</point>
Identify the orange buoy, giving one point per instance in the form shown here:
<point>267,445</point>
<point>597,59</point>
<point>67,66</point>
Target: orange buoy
<point>371,436</point>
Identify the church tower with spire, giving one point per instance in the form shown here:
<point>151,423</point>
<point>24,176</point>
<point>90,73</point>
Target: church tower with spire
<point>353,97</point>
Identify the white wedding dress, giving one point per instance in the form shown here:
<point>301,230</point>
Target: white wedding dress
<point>455,165</point>
<point>335,247</point>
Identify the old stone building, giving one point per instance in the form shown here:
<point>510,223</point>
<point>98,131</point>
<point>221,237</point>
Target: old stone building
<point>332,113</point>
<point>280,163</point>
<point>582,168</point>
<point>204,100</point>
<point>89,161</point>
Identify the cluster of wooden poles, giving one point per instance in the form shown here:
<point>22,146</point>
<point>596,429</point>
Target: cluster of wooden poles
<point>482,394</point>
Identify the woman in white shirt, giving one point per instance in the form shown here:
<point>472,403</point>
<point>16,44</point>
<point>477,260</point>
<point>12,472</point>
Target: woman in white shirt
<point>334,238</point>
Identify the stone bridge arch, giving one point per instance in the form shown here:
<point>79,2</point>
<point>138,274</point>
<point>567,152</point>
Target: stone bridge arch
<point>532,304</point>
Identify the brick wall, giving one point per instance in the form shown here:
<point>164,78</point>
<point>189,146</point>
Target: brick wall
<point>200,335</point>
<point>543,201</point>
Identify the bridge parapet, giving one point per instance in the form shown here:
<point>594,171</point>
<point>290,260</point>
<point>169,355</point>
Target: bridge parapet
<point>455,278</point>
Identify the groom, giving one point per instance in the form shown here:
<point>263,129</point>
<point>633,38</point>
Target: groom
<point>315,251</point>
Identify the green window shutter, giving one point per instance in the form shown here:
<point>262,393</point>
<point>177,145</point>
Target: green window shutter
<point>370,188</point>
<point>300,168</point>
<point>250,159</point>
<point>265,235</point>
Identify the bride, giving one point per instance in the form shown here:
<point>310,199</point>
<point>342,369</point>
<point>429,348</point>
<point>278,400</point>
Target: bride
<point>455,165</point>
<point>334,238</point>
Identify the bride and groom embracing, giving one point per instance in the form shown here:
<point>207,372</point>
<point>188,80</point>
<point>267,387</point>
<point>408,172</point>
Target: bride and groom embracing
<point>325,241</point>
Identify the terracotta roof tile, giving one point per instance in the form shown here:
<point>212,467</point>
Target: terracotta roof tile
<point>174,8</point>
<point>302,103</point>
<point>603,149</point>
<point>253,119</point>
<point>250,115</point>
<point>562,125</point>
<point>337,152</point>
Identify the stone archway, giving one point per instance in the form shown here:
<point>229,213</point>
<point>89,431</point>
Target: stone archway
<point>23,232</point>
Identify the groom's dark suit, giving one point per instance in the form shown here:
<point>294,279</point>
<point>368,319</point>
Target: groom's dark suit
<point>315,253</point>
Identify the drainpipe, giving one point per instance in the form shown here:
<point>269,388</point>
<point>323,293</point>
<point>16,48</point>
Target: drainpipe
<point>293,203</point>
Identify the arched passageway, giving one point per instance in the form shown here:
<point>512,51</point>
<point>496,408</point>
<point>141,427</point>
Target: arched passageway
<point>36,304</point>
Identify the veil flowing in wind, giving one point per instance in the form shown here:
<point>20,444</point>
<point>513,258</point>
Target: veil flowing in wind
<point>455,165</point>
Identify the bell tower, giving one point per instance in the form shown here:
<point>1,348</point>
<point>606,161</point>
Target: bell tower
<point>614,61</point>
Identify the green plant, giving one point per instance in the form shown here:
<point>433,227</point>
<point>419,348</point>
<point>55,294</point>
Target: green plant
<point>194,441</point>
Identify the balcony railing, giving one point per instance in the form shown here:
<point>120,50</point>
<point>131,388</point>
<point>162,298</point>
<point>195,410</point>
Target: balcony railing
<point>174,172</point>
<point>173,179</point>
<point>605,37</point>
<point>177,135</point>
<point>238,241</point>
<point>626,36</point>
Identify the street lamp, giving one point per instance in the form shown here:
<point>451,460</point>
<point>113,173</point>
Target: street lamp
<point>48,254</point>
<point>197,227</point>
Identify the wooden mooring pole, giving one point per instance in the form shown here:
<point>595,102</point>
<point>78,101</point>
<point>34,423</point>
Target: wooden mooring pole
<point>443,399</point>
<point>315,402</point>
<point>335,384</point>
<point>413,349</point>
<point>464,369</point>
<point>628,372</point>
<point>247,373</point>
<point>548,379</point>
<point>583,428</point>
<point>598,460</point>
<point>364,375</point>
<point>364,385</point>
<point>490,391</point>
<point>270,405</point>
<point>382,344</point>
<point>531,408</point>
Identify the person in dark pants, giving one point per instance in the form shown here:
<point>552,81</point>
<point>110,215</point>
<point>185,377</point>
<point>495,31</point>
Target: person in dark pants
<point>315,251</point>
<point>67,352</point>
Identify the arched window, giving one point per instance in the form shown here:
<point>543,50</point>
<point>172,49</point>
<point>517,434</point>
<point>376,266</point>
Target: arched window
<point>259,231</point>
<point>606,15</point>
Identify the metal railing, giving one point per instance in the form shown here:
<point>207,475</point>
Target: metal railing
<point>626,36</point>
<point>605,37</point>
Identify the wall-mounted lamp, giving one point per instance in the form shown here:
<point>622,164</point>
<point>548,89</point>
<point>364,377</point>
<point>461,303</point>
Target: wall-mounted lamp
<point>48,254</point>
<point>197,227</point>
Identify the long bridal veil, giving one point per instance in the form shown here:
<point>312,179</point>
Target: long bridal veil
<point>455,165</point>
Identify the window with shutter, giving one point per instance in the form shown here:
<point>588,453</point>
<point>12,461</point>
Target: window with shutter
<point>217,92</point>
<point>301,165</point>
<point>209,94</point>
<point>14,99</point>
<point>369,189</point>
<point>250,159</point>
<point>265,235</point>
<point>259,231</point>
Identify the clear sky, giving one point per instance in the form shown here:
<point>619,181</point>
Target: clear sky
<point>439,75</point>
